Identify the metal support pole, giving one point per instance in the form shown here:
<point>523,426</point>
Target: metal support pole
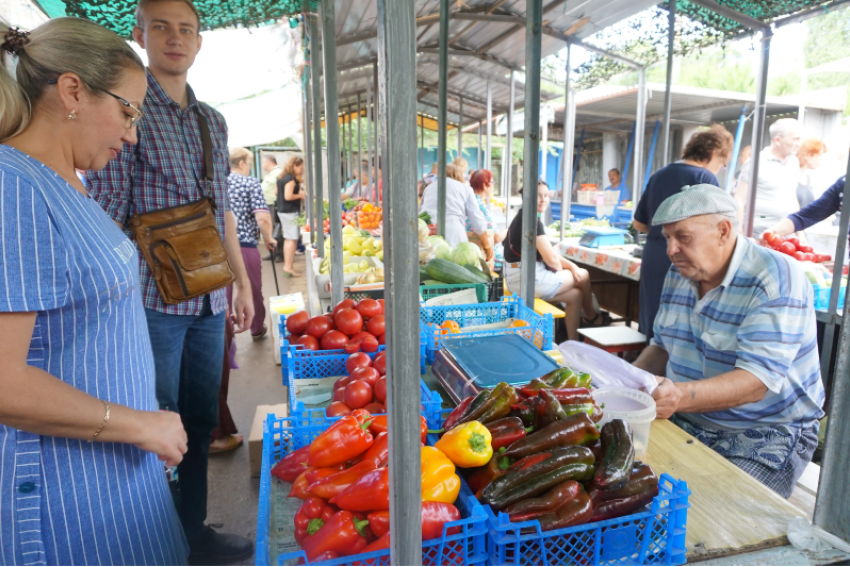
<point>668,95</point>
<point>379,179</point>
<point>316,61</point>
<point>507,154</point>
<point>308,153</point>
<point>567,152</point>
<point>533,35</point>
<point>369,149</point>
<point>397,60</point>
<point>460,128</point>
<point>350,148</point>
<point>739,134</point>
<point>544,149</point>
<point>488,164</point>
<point>832,512</point>
<point>326,12</point>
<point>422,143</point>
<point>343,157</point>
<point>478,156</point>
<point>359,165</point>
<point>758,130</point>
<point>651,155</point>
<point>442,117</point>
<point>640,119</point>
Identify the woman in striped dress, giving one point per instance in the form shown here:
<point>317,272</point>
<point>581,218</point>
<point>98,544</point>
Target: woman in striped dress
<point>81,439</point>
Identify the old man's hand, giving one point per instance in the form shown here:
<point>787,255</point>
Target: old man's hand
<point>667,397</point>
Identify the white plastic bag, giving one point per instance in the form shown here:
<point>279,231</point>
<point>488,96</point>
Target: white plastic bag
<point>605,368</point>
<point>806,537</point>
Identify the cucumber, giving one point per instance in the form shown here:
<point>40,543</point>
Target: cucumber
<point>423,275</point>
<point>432,282</point>
<point>476,270</point>
<point>449,272</point>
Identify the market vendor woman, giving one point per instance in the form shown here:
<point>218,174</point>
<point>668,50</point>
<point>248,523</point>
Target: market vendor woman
<point>735,343</point>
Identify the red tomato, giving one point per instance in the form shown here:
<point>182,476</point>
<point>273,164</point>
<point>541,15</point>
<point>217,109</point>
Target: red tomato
<point>382,340</point>
<point>293,338</point>
<point>337,397</point>
<point>319,326</point>
<point>369,343</point>
<point>808,256</point>
<point>769,237</point>
<point>351,348</point>
<point>344,304</point>
<point>793,240</point>
<point>342,382</point>
<point>381,390</point>
<point>336,409</point>
<point>297,322</point>
<point>367,374</point>
<point>380,363</point>
<point>357,394</point>
<point>333,340</point>
<point>356,361</point>
<point>348,321</point>
<point>376,325</point>
<point>309,342</point>
<point>800,256</point>
<point>383,308</point>
<point>369,308</point>
<point>376,408</point>
<point>787,248</point>
<point>805,249</point>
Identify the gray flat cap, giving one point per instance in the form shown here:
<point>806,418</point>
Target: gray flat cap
<point>692,201</point>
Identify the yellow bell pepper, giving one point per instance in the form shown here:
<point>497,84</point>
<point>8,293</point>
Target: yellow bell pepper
<point>467,445</point>
<point>439,481</point>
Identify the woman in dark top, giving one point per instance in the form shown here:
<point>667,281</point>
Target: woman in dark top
<point>820,209</point>
<point>289,197</point>
<point>705,154</point>
<point>556,279</point>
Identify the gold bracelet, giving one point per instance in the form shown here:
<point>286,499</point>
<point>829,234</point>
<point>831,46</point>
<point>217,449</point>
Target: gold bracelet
<point>102,423</point>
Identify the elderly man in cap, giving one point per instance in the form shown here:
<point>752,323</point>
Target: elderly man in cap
<point>735,345</point>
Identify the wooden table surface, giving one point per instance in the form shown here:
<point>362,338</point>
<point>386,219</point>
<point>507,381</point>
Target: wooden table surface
<point>730,512</point>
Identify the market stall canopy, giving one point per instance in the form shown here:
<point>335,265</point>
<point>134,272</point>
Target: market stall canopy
<point>766,11</point>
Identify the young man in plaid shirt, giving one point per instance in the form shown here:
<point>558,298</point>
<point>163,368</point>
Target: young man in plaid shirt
<point>166,169</point>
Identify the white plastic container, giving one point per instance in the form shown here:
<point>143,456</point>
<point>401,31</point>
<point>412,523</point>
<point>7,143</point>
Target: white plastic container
<point>632,406</point>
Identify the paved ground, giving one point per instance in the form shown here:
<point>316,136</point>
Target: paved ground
<point>233,494</point>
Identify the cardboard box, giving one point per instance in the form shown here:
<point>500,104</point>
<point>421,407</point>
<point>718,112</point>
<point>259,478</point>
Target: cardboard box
<point>255,440</point>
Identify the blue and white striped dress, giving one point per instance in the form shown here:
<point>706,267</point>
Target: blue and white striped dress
<point>65,501</point>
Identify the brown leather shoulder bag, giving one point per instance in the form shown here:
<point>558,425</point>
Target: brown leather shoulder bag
<point>182,244</point>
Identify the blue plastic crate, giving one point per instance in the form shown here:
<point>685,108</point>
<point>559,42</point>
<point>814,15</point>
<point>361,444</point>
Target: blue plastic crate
<point>284,435</point>
<point>539,330</point>
<point>653,537</point>
<point>822,296</point>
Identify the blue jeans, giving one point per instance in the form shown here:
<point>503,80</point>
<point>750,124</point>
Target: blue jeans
<point>187,352</point>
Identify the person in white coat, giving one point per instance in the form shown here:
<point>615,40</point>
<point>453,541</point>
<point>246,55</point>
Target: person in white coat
<point>460,206</point>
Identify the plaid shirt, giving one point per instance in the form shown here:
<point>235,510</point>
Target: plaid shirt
<point>165,169</point>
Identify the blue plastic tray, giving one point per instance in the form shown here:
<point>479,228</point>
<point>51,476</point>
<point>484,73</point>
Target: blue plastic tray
<point>501,358</point>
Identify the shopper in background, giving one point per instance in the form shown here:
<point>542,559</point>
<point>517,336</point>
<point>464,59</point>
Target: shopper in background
<point>357,190</point>
<point>779,171</point>
<point>167,169</point>
<point>705,154</point>
<point>81,437</point>
<point>463,166</point>
<point>810,154</point>
<point>289,198</point>
<point>428,178</point>
<point>482,185</point>
<point>556,279</point>
<point>461,207</point>
<point>617,184</point>
<point>272,172</point>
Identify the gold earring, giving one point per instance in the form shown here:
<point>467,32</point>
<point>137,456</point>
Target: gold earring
<point>73,115</point>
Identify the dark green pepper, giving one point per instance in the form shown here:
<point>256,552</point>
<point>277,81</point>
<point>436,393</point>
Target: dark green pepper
<point>642,479</point>
<point>540,410</point>
<point>618,456</point>
<point>458,413</point>
<point>572,409</point>
<point>574,513</point>
<point>535,386</point>
<point>622,506</point>
<point>503,399</point>
<point>498,392</point>
<point>464,410</point>
<point>559,378</point>
<point>480,477</point>
<point>535,473</point>
<point>546,504</point>
<point>506,431</point>
<point>574,430</point>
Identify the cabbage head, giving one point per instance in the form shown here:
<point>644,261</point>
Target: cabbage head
<point>444,251</point>
<point>423,231</point>
<point>466,253</point>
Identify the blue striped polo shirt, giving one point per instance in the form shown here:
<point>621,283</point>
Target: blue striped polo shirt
<point>760,319</point>
<point>66,501</point>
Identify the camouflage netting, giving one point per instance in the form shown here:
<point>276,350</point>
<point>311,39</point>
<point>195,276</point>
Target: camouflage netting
<point>118,15</point>
<point>763,10</point>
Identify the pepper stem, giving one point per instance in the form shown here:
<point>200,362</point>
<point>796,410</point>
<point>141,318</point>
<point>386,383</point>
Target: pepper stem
<point>477,442</point>
<point>436,431</point>
<point>314,525</point>
<point>360,526</point>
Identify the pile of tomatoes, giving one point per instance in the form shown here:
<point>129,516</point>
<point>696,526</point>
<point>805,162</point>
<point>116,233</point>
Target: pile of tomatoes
<point>792,247</point>
<point>365,386</point>
<point>351,327</point>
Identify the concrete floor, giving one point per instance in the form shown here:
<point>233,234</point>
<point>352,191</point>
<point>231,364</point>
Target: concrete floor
<point>233,494</point>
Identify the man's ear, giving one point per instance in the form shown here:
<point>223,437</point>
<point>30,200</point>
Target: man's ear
<point>139,36</point>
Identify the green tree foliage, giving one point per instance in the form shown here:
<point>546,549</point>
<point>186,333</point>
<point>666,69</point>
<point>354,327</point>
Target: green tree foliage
<point>828,38</point>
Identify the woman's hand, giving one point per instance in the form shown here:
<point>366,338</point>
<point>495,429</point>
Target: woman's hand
<point>162,433</point>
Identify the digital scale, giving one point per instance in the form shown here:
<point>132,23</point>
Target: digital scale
<point>466,366</point>
<point>599,236</point>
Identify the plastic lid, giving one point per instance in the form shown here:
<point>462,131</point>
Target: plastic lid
<point>626,404</point>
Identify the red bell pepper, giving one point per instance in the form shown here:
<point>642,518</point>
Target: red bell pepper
<point>375,457</point>
<point>342,441</point>
<point>312,515</point>
<point>299,487</point>
<point>326,556</point>
<point>434,515</point>
<point>563,395</point>
<point>505,431</point>
<point>342,534</point>
<point>382,542</point>
<point>370,492</point>
<point>379,425</point>
<point>292,465</point>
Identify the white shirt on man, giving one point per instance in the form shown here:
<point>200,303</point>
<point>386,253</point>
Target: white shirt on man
<point>776,189</point>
